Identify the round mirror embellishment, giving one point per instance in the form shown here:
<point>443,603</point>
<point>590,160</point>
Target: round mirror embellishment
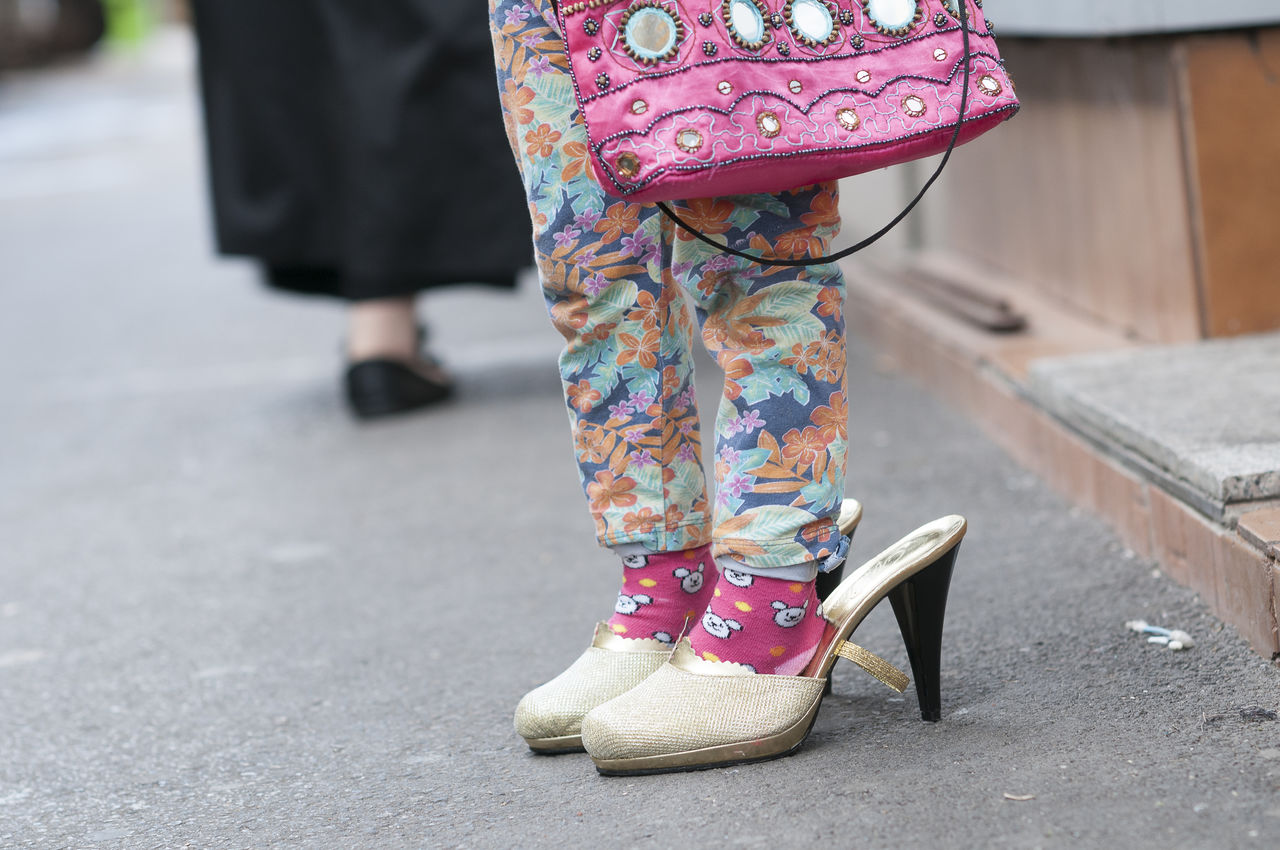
<point>811,22</point>
<point>953,9</point>
<point>893,17</point>
<point>650,33</point>
<point>989,85</point>
<point>769,124</point>
<point>746,23</point>
<point>689,140</point>
<point>848,119</point>
<point>628,165</point>
<point>913,106</point>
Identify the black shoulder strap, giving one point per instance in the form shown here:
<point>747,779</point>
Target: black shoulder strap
<point>875,237</point>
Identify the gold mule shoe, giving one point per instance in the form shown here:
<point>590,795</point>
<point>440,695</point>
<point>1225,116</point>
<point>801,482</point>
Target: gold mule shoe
<point>692,713</point>
<point>549,717</point>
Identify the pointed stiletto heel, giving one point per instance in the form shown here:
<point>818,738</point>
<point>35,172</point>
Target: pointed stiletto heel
<point>920,603</point>
<point>663,724</point>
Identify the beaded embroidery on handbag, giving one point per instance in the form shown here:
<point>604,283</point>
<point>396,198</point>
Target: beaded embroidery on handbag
<point>698,98</point>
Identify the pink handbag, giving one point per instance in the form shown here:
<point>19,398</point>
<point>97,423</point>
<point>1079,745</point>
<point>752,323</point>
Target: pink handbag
<point>699,98</point>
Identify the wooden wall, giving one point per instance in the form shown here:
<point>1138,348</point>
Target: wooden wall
<point>1232,122</point>
<point>1083,194</point>
<point>1139,186</point>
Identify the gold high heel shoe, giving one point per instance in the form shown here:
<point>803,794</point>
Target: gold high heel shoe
<point>549,717</point>
<point>692,713</point>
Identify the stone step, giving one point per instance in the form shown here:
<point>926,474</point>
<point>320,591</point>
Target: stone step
<point>1204,417</point>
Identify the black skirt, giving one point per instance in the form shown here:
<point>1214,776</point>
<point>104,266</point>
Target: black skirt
<point>357,149</point>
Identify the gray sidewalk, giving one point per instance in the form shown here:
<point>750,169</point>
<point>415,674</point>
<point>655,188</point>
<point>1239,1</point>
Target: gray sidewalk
<point>231,617</point>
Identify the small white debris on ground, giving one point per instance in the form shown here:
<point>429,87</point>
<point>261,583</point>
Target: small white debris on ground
<point>1174,639</point>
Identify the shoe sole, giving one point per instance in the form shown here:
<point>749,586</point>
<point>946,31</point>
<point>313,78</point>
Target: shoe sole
<point>556,746</point>
<point>368,407</point>
<point>776,746</point>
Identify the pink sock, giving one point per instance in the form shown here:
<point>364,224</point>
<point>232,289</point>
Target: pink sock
<point>661,592</point>
<point>772,625</point>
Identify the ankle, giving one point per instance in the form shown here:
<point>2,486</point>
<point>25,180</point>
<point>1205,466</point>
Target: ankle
<point>772,625</point>
<point>663,593</point>
<point>382,328</point>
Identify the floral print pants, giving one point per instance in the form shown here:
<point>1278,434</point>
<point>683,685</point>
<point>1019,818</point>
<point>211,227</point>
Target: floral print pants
<point>615,275</point>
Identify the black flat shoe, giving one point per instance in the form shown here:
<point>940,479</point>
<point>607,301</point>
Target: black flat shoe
<point>382,387</point>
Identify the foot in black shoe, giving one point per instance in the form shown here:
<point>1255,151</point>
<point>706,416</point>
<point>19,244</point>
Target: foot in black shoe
<point>383,387</point>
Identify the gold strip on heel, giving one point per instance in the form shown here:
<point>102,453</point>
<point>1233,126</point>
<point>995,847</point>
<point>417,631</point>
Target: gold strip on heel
<point>875,665</point>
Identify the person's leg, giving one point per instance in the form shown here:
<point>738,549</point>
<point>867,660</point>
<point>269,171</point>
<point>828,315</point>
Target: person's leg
<point>382,328</point>
<point>782,428</point>
<point>627,377</point>
<point>388,369</point>
<point>626,365</point>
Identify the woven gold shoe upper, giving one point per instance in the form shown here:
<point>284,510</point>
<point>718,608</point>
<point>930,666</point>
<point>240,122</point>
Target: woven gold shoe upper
<point>611,666</point>
<point>691,704</point>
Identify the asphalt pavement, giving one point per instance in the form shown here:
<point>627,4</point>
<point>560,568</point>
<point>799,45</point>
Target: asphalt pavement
<point>230,616</point>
